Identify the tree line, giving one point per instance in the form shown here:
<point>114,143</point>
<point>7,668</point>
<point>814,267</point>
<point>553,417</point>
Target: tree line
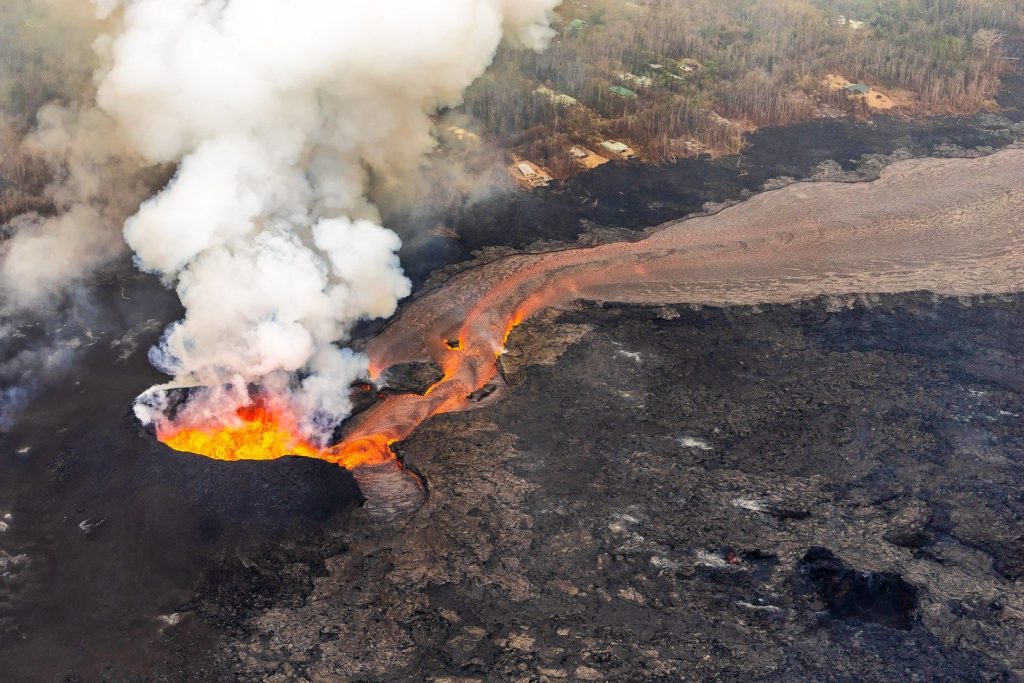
<point>753,62</point>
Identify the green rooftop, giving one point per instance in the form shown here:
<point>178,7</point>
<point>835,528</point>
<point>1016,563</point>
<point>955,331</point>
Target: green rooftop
<point>622,92</point>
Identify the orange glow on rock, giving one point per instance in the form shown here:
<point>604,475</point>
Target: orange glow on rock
<point>371,450</point>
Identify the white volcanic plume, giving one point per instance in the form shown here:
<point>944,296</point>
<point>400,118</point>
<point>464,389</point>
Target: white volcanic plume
<point>279,113</point>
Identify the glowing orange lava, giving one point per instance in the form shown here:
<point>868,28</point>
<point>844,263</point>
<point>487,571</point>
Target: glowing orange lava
<point>264,430</point>
<point>258,432</point>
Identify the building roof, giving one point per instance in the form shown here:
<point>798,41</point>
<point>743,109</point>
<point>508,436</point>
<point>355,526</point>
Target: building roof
<point>577,24</point>
<point>556,97</point>
<point>622,92</point>
<point>643,81</point>
<point>614,146</point>
<point>857,88</point>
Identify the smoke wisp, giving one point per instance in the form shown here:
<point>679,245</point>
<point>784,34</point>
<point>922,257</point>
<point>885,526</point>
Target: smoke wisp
<point>67,183</point>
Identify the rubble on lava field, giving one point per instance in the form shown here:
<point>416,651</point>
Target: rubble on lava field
<point>823,491</point>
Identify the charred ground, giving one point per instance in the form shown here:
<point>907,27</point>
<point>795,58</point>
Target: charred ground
<point>592,522</point>
<point>826,491</point>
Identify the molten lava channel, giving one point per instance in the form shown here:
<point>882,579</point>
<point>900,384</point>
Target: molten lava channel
<point>951,226</point>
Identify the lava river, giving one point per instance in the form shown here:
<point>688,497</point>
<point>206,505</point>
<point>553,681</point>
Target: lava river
<point>950,226</point>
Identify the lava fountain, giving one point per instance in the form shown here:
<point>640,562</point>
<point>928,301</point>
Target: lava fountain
<point>951,226</point>
<point>264,430</point>
<point>261,430</point>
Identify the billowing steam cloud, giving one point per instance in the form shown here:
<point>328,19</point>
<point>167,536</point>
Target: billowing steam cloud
<point>280,114</point>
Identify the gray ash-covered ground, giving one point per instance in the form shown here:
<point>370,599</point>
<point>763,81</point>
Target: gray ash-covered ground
<point>824,491</point>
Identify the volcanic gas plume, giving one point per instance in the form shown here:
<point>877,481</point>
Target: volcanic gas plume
<point>279,117</point>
